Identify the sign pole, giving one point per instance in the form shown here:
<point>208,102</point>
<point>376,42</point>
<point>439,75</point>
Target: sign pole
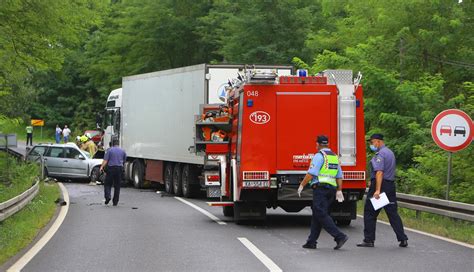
<point>450,160</point>
<point>41,134</point>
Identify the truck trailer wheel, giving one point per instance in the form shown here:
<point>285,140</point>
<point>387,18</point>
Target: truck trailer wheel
<point>168,177</point>
<point>188,181</point>
<point>177,182</point>
<point>138,174</point>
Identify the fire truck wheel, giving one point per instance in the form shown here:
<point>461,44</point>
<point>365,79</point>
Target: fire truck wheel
<point>177,182</point>
<point>138,174</point>
<point>168,176</point>
<point>228,211</point>
<point>343,222</point>
<point>188,178</point>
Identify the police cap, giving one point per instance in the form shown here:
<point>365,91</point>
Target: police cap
<point>376,136</point>
<point>322,139</point>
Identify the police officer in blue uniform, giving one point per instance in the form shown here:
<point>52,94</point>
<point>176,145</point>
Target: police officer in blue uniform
<point>382,178</point>
<point>325,175</point>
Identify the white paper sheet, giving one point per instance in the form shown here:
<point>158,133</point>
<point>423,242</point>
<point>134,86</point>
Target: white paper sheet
<point>381,202</point>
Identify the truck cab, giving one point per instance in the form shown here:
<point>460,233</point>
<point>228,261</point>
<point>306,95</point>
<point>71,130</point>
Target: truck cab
<point>111,120</point>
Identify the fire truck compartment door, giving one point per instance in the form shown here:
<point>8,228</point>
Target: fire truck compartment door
<point>301,117</point>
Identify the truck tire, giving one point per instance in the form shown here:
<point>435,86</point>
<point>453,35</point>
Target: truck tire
<point>138,174</point>
<point>228,211</point>
<point>177,182</point>
<point>188,181</point>
<point>168,177</point>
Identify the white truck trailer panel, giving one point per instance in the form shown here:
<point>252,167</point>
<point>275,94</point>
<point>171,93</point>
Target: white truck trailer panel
<point>158,113</point>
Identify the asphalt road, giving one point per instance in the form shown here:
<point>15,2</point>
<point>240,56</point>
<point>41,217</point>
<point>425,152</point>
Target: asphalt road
<point>156,232</point>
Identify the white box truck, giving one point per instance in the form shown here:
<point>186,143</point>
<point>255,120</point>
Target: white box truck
<point>153,116</point>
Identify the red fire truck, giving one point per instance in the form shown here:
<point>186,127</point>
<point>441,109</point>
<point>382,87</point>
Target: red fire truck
<point>258,145</point>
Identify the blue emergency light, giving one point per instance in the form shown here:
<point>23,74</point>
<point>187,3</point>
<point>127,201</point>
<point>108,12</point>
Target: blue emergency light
<point>302,72</point>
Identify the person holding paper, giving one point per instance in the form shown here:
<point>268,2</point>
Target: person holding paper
<point>325,177</point>
<point>382,179</point>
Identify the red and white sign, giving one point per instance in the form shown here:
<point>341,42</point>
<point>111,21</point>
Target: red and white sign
<point>259,117</point>
<point>452,130</point>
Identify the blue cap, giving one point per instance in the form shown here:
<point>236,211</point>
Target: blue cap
<point>376,136</point>
<point>322,139</point>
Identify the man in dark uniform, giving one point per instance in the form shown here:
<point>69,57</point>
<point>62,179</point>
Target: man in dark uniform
<point>382,179</point>
<point>114,158</point>
<point>325,177</point>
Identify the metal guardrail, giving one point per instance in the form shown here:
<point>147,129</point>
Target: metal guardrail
<point>442,207</point>
<point>13,153</point>
<point>10,207</point>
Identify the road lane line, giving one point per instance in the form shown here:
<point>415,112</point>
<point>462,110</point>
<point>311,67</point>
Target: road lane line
<point>260,255</point>
<point>31,253</point>
<point>429,234</point>
<point>201,210</point>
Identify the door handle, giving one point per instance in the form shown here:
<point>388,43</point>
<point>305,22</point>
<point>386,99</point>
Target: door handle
<point>65,161</point>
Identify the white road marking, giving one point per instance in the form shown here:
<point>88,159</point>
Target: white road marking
<point>201,210</point>
<point>30,254</point>
<point>429,234</point>
<point>260,255</point>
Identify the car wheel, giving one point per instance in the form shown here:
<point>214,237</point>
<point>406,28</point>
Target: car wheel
<point>95,173</point>
<point>168,176</point>
<point>177,182</point>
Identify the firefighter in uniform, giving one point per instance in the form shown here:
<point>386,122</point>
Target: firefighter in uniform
<point>382,179</point>
<point>325,178</point>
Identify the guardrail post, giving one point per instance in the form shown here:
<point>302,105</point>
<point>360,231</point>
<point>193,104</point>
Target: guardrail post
<point>42,167</point>
<point>418,214</point>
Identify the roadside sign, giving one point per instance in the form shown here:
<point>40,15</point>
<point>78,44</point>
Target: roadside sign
<point>37,122</point>
<point>452,130</point>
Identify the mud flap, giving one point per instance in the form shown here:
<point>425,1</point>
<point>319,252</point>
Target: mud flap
<point>249,211</point>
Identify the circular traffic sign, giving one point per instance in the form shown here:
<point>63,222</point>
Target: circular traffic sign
<point>452,130</point>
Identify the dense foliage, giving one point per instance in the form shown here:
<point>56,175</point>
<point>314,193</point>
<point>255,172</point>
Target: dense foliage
<point>61,58</point>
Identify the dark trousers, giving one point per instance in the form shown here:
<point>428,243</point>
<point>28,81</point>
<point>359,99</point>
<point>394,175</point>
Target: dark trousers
<point>113,178</point>
<point>322,199</point>
<point>29,138</point>
<point>370,215</point>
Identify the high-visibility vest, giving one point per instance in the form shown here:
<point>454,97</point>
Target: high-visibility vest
<point>29,129</point>
<point>328,172</point>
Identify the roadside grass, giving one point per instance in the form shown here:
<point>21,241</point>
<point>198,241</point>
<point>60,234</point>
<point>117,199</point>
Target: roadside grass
<point>19,230</point>
<point>455,229</point>
<point>15,177</point>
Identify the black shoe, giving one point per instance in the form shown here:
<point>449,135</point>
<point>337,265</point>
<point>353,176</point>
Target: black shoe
<point>341,242</point>
<point>403,243</point>
<point>115,204</point>
<point>310,246</point>
<point>366,244</point>
<point>107,200</point>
